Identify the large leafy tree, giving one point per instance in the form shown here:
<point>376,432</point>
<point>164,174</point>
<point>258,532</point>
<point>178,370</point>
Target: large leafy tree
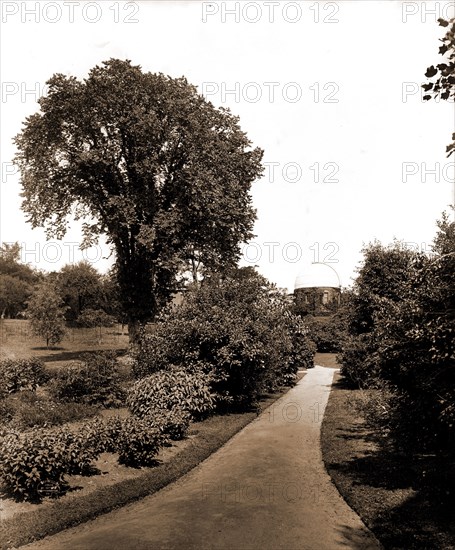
<point>146,160</point>
<point>10,264</point>
<point>14,293</point>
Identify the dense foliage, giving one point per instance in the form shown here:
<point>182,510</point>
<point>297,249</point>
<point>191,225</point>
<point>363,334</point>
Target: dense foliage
<point>27,409</point>
<point>402,328</point>
<point>171,390</point>
<point>81,288</point>
<point>21,374</point>
<point>16,281</point>
<point>238,330</point>
<point>93,380</point>
<point>328,333</point>
<point>171,423</point>
<point>138,442</point>
<point>34,464</point>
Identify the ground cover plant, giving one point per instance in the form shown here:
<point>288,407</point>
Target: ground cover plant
<point>40,442</point>
<point>53,516</point>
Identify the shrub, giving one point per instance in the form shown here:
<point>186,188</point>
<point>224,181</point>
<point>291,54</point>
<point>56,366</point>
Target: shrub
<point>34,465</point>
<point>327,333</point>
<point>238,329</point>
<point>358,360</point>
<point>401,327</point>
<point>303,350</point>
<point>138,442</point>
<point>171,390</point>
<point>94,380</point>
<point>172,423</point>
<point>27,410</point>
<point>103,434</point>
<point>21,374</point>
<point>80,451</point>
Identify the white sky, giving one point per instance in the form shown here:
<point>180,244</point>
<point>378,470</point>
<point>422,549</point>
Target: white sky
<point>330,91</point>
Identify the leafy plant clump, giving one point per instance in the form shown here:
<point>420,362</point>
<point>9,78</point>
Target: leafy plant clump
<point>138,442</point>
<point>171,390</point>
<point>173,424</point>
<point>26,409</point>
<point>21,374</point>
<point>94,380</point>
<point>34,464</point>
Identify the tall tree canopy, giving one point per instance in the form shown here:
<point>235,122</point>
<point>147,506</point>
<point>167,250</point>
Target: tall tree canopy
<point>148,162</point>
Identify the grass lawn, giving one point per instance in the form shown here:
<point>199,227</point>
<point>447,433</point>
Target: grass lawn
<point>17,341</point>
<point>406,500</point>
<point>326,360</point>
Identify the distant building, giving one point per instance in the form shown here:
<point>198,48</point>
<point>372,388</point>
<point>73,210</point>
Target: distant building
<point>317,290</point>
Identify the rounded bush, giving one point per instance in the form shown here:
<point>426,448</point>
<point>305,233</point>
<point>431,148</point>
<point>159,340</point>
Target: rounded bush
<point>33,464</point>
<point>173,423</point>
<point>138,442</point>
<point>171,390</point>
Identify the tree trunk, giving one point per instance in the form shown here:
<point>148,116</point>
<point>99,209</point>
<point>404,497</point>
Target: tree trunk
<point>134,331</point>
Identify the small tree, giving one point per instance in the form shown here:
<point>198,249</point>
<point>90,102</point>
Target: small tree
<point>47,314</point>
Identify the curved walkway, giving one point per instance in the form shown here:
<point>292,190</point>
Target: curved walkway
<point>267,488</point>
